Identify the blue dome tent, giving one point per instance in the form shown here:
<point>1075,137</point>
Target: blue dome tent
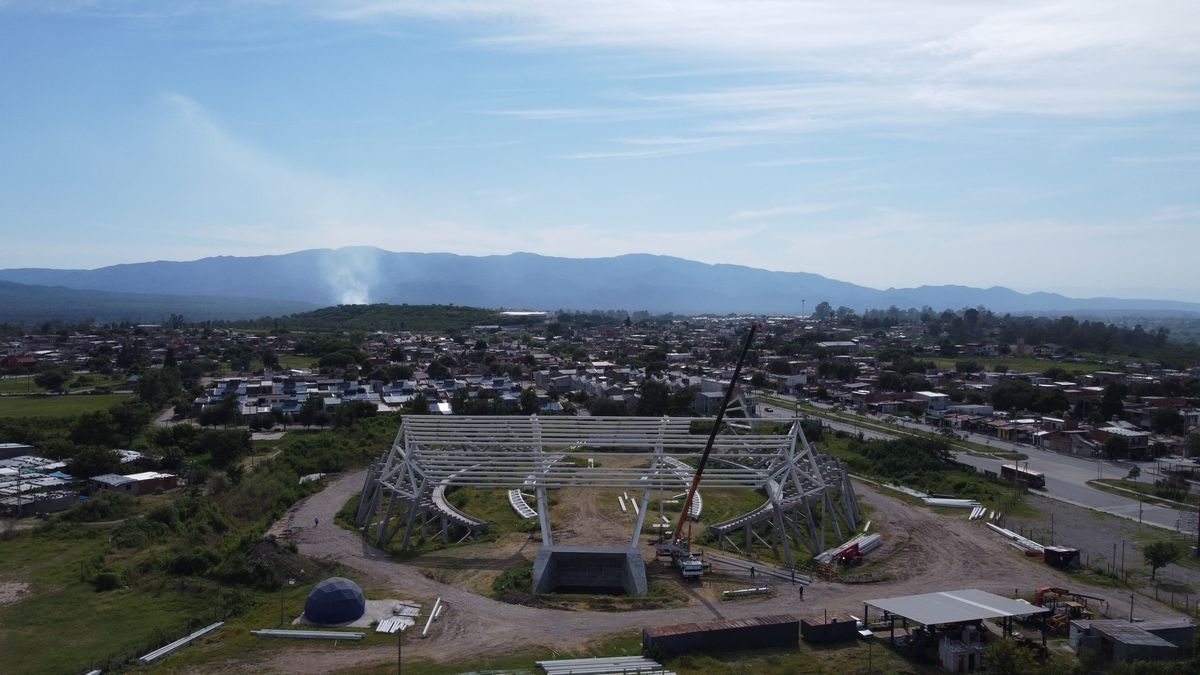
<point>335,600</point>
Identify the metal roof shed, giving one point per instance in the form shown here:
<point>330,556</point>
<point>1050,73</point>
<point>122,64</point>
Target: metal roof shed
<point>111,480</point>
<point>943,607</point>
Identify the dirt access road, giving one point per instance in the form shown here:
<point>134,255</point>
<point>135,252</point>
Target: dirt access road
<point>923,552</point>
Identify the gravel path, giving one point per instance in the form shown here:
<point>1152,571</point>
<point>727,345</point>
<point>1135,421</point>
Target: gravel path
<point>926,552</point>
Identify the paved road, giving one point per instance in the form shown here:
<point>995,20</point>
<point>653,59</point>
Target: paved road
<point>1066,475</point>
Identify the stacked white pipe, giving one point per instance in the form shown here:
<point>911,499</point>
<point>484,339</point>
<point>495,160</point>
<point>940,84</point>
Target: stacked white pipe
<point>906,490</point>
<point>1017,541</point>
<point>866,544</point>
<point>947,502</point>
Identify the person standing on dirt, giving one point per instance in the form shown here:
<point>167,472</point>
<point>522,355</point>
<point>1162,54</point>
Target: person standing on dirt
<point>751,571</point>
<point>316,522</point>
<point>801,592</point>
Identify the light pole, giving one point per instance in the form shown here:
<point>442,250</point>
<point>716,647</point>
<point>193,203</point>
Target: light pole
<point>290,582</point>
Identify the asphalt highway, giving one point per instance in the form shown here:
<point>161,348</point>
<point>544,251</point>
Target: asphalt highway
<point>1067,476</point>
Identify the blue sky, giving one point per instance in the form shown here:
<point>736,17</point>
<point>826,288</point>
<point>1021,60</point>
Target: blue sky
<point>1037,145</point>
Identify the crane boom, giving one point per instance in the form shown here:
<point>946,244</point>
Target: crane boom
<point>712,435</point>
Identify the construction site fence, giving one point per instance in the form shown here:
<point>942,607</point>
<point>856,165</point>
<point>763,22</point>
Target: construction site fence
<point>1117,566</point>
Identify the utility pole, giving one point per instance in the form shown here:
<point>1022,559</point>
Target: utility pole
<point>870,660</point>
<point>290,582</point>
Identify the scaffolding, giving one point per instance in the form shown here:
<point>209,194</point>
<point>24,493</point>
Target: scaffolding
<point>405,489</point>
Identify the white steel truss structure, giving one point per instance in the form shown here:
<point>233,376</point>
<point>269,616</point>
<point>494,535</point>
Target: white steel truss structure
<point>405,488</point>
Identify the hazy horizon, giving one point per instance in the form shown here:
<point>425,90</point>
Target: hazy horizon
<point>1069,291</point>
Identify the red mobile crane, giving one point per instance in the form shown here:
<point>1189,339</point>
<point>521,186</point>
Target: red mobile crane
<point>679,548</point>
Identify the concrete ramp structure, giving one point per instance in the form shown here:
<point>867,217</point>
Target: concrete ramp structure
<point>589,569</point>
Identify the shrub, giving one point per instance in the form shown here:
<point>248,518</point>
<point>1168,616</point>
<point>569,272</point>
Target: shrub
<point>260,562</point>
<point>194,562</point>
<point>166,515</point>
<point>104,505</point>
<point>138,532</point>
<point>516,579</point>
<point>108,580</point>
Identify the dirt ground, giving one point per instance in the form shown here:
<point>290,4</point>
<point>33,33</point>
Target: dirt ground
<point>1101,538</point>
<point>12,591</point>
<point>922,552</point>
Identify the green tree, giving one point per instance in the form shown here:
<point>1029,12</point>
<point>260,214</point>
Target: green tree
<point>130,417</point>
<point>682,402</point>
<point>529,401</point>
<point>1160,554</point>
<point>1116,447</point>
<point>227,447</point>
<point>227,411</point>
<point>1005,657</point>
<point>1112,404</point>
<point>1049,401</point>
<point>157,386</point>
<point>418,405</point>
<point>54,378</point>
<point>1168,421</point>
<point>312,411</point>
<point>342,358</point>
<point>654,399</point>
<point>967,366</point>
<point>95,429</point>
<point>822,311</point>
<point>1193,444</point>
<point>607,407</point>
<point>349,412</point>
<point>437,371</point>
<point>93,461</point>
<point>1013,394</point>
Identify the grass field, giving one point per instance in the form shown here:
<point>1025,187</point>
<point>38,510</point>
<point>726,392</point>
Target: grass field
<point>59,604</point>
<point>57,406</point>
<point>297,361</point>
<point>1021,363</point>
<point>18,385</point>
<point>26,385</point>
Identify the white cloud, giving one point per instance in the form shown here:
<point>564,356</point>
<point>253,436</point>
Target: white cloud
<point>667,146</point>
<point>1092,57</point>
<point>798,210</point>
<point>1159,159</point>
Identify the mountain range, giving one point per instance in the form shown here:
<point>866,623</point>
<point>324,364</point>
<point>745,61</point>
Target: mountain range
<point>302,280</point>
